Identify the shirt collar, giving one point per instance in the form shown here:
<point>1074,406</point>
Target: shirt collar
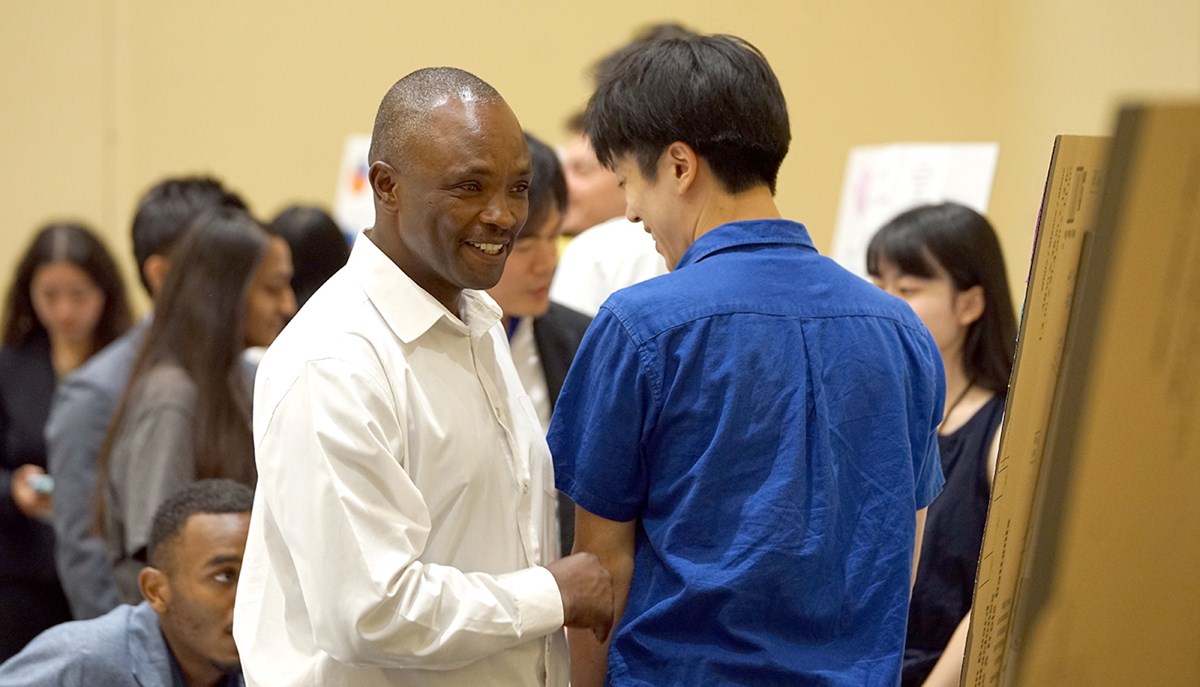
<point>409,310</point>
<point>747,233</point>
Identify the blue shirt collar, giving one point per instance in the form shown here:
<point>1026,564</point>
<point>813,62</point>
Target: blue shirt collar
<point>746,233</point>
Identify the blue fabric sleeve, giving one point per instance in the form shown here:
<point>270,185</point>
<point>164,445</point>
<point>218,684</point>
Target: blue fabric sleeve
<point>599,423</point>
<point>928,475</point>
<point>929,391</point>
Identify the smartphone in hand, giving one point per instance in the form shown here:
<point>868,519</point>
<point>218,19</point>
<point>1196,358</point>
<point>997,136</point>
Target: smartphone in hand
<point>41,484</point>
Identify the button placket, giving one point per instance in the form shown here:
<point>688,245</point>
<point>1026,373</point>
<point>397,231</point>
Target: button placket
<point>518,464</point>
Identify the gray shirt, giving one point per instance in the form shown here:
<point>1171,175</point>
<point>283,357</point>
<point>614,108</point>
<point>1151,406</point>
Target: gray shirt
<point>83,405</point>
<point>152,458</point>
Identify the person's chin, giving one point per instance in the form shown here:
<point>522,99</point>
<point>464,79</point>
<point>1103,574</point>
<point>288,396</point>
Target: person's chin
<point>227,660</point>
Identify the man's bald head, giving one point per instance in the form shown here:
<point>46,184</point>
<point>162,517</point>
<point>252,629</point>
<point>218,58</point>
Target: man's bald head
<point>408,107</point>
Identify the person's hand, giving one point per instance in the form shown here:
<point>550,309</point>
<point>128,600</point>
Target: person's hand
<point>587,593</point>
<point>31,504</point>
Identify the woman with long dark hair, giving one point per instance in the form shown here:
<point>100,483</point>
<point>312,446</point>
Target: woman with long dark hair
<point>66,302</point>
<point>945,261</point>
<point>185,414</point>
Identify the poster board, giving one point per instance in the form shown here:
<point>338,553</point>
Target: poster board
<point>1107,593</point>
<point>1069,204</point>
<point>353,201</point>
<point>882,181</point>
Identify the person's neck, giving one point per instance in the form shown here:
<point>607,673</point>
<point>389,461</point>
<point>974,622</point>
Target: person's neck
<point>958,384</point>
<point>721,207</point>
<point>197,673</point>
<point>389,246</point>
<point>66,356</point>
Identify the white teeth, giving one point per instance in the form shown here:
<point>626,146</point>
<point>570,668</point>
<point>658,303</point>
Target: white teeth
<point>489,248</point>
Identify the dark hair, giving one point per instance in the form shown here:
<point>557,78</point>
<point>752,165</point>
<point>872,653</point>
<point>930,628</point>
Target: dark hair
<point>960,241</point>
<point>653,32</point>
<point>548,187</point>
<point>577,122</point>
<point>318,247</point>
<point>715,93</point>
<point>167,208</point>
<point>199,322</point>
<point>208,496</point>
<point>76,244</point>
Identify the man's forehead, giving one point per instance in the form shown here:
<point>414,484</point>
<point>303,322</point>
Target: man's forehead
<point>206,534</point>
<point>488,128</point>
<point>492,117</point>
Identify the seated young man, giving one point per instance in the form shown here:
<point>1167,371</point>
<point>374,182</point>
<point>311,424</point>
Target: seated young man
<point>755,482</point>
<point>182,634</point>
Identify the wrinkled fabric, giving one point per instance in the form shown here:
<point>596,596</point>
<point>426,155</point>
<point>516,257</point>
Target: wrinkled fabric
<point>771,427</point>
<point>123,648</point>
<point>405,500</point>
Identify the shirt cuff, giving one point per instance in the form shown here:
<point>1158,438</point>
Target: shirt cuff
<point>538,600</point>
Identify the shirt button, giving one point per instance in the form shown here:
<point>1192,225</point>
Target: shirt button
<point>525,488</point>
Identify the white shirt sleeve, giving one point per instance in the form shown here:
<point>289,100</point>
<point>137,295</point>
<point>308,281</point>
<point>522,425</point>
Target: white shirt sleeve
<point>353,526</point>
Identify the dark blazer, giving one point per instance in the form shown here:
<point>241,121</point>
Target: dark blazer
<point>557,335</point>
<point>31,599</point>
<point>26,384</point>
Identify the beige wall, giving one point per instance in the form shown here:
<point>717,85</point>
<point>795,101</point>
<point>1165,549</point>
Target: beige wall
<point>103,97</point>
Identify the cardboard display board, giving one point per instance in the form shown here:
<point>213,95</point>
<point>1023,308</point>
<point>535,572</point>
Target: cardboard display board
<point>1107,592</point>
<point>1069,204</point>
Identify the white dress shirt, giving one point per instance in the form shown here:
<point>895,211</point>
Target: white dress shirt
<point>528,362</point>
<point>602,260</point>
<point>405,498</point>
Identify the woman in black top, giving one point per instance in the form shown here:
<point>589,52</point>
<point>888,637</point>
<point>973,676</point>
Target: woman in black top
<point>945,261</point>
<point>66,302</point>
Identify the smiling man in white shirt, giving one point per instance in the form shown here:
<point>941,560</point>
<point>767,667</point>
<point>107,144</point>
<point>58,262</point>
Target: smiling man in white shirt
<point>405,503</point>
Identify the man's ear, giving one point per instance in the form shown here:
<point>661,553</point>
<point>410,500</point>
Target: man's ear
<point>970,305</point>
<point>154,269</point>
<point>682,164</point>
<point>155,588</point>
<point>385,185</point>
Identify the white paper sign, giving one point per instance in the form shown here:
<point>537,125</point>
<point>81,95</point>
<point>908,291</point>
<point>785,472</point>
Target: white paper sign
<point>883,181</point>
<point>353,206</point>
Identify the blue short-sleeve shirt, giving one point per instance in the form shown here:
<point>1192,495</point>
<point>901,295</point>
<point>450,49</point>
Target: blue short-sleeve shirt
<point>769,419</point>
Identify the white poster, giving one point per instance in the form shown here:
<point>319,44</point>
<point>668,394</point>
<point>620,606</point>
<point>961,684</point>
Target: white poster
<point>883,181</point>
<point>353,206</point>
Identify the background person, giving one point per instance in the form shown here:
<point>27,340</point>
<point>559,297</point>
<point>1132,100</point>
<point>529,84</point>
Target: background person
<point>609,255</point>
<point>543,335</point>
<point>945,261</point>
<point>84,401</point>
<point>66,301</point>
<point>318,246</point>
<point>181,633</point>
<point>186,412</point>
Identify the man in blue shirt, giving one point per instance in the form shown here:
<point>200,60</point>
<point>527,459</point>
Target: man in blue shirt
<point>182,634</point>
<point>755,477</point>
